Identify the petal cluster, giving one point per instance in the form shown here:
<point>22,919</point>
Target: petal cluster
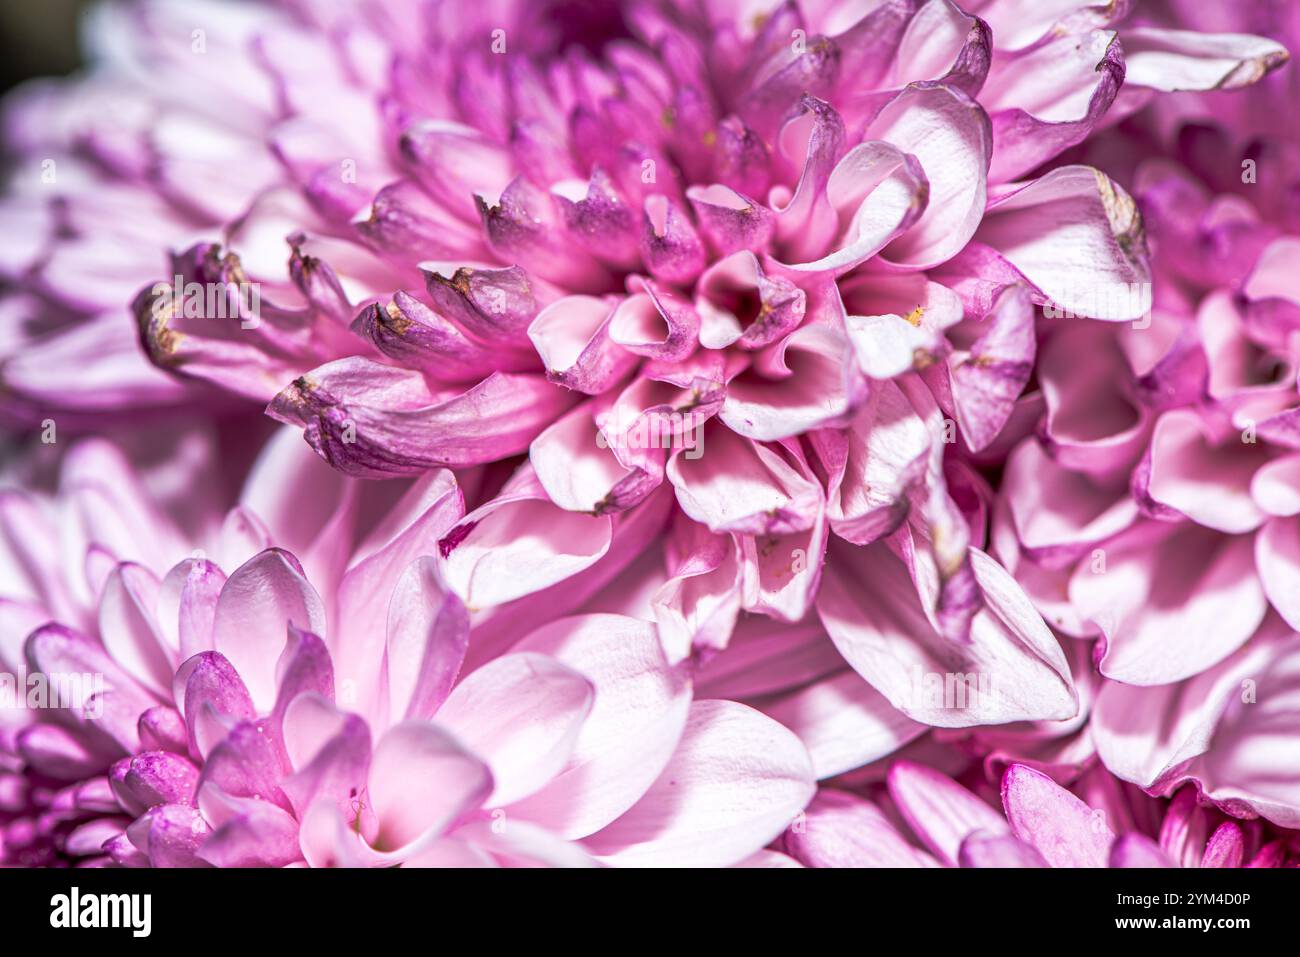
<point>679,405</point>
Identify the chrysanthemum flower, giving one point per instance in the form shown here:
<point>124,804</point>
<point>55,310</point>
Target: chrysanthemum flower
<point>251,719</point>
<point>724,312</point>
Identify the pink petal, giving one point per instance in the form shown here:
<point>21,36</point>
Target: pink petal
<point>1075,235</point>
<point>843,722</point>
<point>1137,850</point>
<point>1208,482</point>
<point>982,850</point>
<point>841,830</point>
<point>1062,828</point>
<point>580,471</point>
<point>572,336</point>
<point>1013,669</point>
<point>129,630</point>
<point>742,486</point>
<point>1170,60</point>
<point>939,811</point>
<point>949,135</point>
<point>1050,98</point>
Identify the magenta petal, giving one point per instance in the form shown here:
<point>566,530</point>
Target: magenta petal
<point>163,729</point>
<point>729,220</point>
<point>253,833</point>
<point>404,220</point>
<point>739,301</point>
<point>373,420</point>
<point>412,334</point>
<point>58,753</point>
<point>160,777</point>
<point>525,227</point>
<point>488,304</point>
<point>841,830</point>
<point>456,164</point>
<point>598,218</point>
<point>939,811</point>
<point>336,774</point>
<point>247,763</point>
<point>873,465</point>
<point>1137,850</point>
<point>1226,847</point>
<point>172,835</point>
<point>982,850</point>
<point>1062,828</point>
<point>304,667</point>
<point>212,697</point>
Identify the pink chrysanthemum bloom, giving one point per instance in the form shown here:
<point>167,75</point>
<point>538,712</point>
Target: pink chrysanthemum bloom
<point>251,719</point>
<point>920,817</point>
<point>717,226</point>
<point>1155,507</point>
<point>755,289</point>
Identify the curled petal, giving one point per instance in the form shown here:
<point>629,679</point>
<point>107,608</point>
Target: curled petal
<point>373,420</point>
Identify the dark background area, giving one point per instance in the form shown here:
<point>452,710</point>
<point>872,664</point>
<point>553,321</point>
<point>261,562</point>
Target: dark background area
<point>38,38</point>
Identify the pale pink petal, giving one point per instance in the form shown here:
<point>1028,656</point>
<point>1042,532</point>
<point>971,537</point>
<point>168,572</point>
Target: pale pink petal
<point>258,602</point>
<point>1170,60</point>
<point>523,715</point>
<point>1012,669</point>
<point>949,135</point>
<point>1170,600</point>
<point>735,782</point>
<point>637,717</point>
<point>843,722</point>
<point>1076,236</point>
<point>422,781</point>
<point>517,544</point>
<point>428,633</point>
